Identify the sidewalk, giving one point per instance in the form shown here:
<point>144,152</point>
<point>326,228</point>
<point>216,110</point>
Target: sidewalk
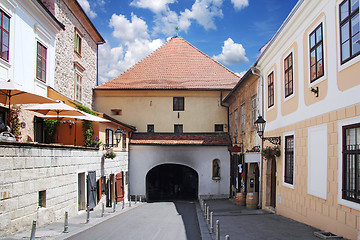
<point>241,223</point>
<point>77,224</point>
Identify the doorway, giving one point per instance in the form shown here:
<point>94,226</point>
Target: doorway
<point>271,183</point>
<point>81,191</point>
<point>171,182</point>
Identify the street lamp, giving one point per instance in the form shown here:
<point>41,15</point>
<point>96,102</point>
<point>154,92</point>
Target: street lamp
<point>118,134</point>
<point>260,128</point>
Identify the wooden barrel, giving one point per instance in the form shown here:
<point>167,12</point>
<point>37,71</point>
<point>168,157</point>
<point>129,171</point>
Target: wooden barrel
<point>252,200</point>
<point>240,199</point>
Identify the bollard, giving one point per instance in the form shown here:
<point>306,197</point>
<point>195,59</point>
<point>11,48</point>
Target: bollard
<point>207,215</point>
<point>135,199</point>
<point>114,209</point>
<point>140,199</point>
<point>130,201</point>
<point>227,237</point>
<point>211,222</point>
<point>33,230</point>
<point>123,206</point>
<point>102,210</point>
<point>205,209</point>
<point>202,205</point>
<point>87,214</point>
<point>66,223</point>
<point>217,231</point>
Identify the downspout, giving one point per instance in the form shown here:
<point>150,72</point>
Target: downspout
<point>262,114</point>
<point>228,127</point>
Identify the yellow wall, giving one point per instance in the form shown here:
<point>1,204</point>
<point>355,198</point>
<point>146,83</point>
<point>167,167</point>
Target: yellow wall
<point>140,108</point>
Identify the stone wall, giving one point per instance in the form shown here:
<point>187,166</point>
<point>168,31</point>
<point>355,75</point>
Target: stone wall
<point>64,81</point>
<point>26,169</point>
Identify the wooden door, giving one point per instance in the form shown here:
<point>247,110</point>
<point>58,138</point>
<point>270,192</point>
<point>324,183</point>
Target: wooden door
<point>120,187</point>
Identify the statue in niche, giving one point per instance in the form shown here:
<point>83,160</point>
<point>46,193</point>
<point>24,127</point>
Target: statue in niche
<point>216,169</point>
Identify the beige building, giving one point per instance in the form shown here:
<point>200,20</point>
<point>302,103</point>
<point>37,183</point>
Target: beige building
<point>310,70</point>
<point>174,99</point>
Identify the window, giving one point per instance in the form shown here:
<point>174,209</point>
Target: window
<point>289,160</point>
<point>271,90</point>
<point>316,54</point>
<point>242,118</point>
<point>178,128</point>
<point>150,128</point>
<point>236,115</point>
<point>178,103</point>
<point>231,124</point>
<point>78,39</point>
<point>216,169</point>
<point>253,111</point>
<point>124,140</point>
<point>41,62</point>
<point>4,38</point>
<point>219,127</point>
<point>109,137</point>
<point>351,163</point>
<point>288,70</point>
<point>78,86</point>
<point>349,29</point>
<point>42,198</point>
<point>116,111</point>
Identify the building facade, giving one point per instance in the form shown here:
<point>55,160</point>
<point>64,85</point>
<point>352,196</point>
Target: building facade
<point>310,71</point>
<point>174,98</point>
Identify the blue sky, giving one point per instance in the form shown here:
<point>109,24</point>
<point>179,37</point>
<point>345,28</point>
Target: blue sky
<point>229,31</point>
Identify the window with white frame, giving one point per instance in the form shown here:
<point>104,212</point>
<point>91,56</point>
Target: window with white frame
<point>78,40</point>
<point>242,118</point>
<point>289,160</point>
<point>41,62</point>
<point>288,74</point>
<point>78,86</point>
<point>351,163</point>
<point>316,54</point>
<point>253,110</point>
<point>349,30</point>
<point>4,35</point>
<point>271,89</point>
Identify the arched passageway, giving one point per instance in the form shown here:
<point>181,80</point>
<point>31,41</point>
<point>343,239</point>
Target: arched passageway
<point>171,182</point>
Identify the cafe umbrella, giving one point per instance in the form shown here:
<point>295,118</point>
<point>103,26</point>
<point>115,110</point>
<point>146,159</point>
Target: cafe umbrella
<point>59,109</point>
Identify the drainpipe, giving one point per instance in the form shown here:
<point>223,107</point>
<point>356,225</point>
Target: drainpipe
<point>253,68</point>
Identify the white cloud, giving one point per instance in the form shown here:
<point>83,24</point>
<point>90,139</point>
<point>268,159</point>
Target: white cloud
<point>232,53</point>
<point>240,4</point>
<point>125,30</point>
<point>155,6</point>
<point>86,6</point>
<point>114,61</point>
<point>241,74</point>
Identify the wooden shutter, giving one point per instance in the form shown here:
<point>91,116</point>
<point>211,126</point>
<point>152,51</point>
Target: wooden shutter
<point>120,186</point>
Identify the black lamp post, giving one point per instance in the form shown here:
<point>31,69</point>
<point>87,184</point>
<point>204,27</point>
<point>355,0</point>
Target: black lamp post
<point>118,134</point>
<point>260,127</point>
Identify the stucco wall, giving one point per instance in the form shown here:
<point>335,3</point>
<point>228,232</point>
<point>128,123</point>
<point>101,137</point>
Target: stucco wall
<point>202,109</point>
<point>199,158</point>
<point>26,169</point>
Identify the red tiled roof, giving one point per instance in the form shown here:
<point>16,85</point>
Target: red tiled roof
<point>175,65</point>
<point>206,139</point>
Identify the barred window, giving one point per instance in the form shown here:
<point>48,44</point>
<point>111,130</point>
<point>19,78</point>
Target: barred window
<point>351,163</point>
<point>289,160</point>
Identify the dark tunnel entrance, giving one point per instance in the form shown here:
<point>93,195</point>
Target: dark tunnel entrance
<point>171,182</point>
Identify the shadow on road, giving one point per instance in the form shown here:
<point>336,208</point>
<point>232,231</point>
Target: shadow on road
<point>187,210</point>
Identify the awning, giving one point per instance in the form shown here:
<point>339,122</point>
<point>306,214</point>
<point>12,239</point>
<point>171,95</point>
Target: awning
<point>252,157</point>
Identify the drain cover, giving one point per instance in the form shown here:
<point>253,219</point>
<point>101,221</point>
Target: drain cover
<point>327,235</point>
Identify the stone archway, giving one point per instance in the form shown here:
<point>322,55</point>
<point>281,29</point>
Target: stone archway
<point>172,182</point>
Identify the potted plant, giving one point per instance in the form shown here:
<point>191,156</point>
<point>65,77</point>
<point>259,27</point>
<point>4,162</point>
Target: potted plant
<point>109,154</point>
<point>271,152</point>
<point>96,143</point>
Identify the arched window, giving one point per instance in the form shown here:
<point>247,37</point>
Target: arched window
<point>216,169</point>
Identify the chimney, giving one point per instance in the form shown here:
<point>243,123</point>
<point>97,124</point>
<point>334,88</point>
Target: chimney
<point>49,4</point>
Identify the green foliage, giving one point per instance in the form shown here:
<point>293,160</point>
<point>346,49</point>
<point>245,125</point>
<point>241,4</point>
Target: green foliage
<point>50,130</point>
<point>271,152</point>
<point>95,142</point>
<point>84,109</point>
<point>88,132</point>
<point>15,122</point>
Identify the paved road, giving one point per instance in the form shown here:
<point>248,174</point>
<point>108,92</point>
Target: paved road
<point>157,221</point>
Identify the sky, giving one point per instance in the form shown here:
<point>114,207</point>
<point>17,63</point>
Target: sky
<point>229,31</point>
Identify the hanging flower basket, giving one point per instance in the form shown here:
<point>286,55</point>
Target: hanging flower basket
<point>109,154</point>
<point>271,152</point>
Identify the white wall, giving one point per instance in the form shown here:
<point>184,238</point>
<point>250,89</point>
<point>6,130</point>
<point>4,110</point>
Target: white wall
<point>144,158</point>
